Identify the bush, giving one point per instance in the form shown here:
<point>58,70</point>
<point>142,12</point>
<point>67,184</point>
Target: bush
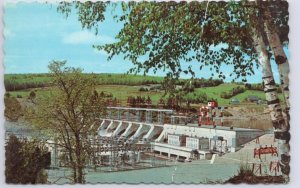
<point>257,87</point>
<point>233,92</point>
<point>246,175</point>
<point>19,96</point>
<point>25,161</point>
<point>195,98</point>
<point>143,89</point>
<point>32,95</point>
<point>13,109</point>
<point>7,94</point>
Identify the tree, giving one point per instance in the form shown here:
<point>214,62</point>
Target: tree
<point>13,109</point>
<point>32,96</point>
<point>69,114</point>
<point>277,47</point>
<point>25,161</point>
<point>281,127</point>
<point>167,33</point>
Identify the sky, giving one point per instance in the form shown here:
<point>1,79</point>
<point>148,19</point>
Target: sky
<point>35,34</point>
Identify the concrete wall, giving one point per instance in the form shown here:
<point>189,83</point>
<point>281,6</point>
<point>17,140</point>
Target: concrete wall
<point>197,143</point>
<point>201,132</point>
<point>245,136</point>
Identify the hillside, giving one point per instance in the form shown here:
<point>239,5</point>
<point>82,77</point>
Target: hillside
<point>122,86</point>
<point>15,82</point>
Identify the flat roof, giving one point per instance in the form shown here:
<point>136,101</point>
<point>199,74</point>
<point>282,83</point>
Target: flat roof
<point>236,129</point>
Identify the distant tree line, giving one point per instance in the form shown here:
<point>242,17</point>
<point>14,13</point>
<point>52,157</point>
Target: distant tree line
<point>260,87</point>
<point>201,82</point>
<point>232,92</point>
<point>15,82</point>
<point>11,85</point>
<point>139,101</point>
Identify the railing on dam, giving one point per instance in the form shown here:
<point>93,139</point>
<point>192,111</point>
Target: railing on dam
<point>148,115</point>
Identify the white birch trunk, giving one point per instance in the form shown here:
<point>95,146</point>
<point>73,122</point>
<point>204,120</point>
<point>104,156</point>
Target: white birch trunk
<point>281,128</point>
<point>280,57</point>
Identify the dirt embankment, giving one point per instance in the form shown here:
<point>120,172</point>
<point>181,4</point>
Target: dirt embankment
<point>250,112</point>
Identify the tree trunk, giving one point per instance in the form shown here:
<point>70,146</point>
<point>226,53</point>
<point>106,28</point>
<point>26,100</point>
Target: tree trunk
<point>281,128</point>
<point>79,160</point>
<point>280,57</point>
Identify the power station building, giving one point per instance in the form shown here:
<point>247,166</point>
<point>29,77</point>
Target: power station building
<point>183,140</point>
<point>186,141</point>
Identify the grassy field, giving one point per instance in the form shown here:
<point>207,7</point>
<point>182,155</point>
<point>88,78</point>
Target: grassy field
<point>122,92</point>
<point>120,86</point>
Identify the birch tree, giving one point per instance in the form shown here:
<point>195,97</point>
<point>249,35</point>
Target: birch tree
<point>281,127</point>
<point>277,48</point>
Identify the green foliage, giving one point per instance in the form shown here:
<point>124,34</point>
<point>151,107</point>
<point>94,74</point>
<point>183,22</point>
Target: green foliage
<point>68,114</point>
<point>27,81</point>
<point>25,161</point>
<point>188,86</point>
<point>195,97</point>
<point>7,94</point>
<point>14,82</point>
<point>143,89</point>
<point>257,87</point>
<point>198,83</point>
<point>32,96</point>
<point>89,13</point>
<point>232,92</point>
<point>13,109</point>
<point>167,33</point>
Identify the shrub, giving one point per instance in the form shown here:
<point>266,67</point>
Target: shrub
<point>233,92</point>
<point>143,89</point>
<point>32,95</point>
<point>7,94</point>
<point>13,108</point>
<point>25,161</point>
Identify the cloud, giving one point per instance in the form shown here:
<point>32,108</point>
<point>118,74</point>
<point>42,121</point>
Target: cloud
<point>86,37</point>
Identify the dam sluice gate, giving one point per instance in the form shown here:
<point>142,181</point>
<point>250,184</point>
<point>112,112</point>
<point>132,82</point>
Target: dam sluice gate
<point>145,137</point>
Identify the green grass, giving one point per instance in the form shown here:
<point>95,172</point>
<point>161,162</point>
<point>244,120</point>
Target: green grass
<point>38,91</point>
<point>15,82</point>
<point>214,92</point>
<point>122,92</point>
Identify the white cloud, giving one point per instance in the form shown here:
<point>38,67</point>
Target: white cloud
<point>86,37</point>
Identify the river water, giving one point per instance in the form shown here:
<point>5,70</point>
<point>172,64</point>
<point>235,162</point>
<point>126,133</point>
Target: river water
<point>184,173</point>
